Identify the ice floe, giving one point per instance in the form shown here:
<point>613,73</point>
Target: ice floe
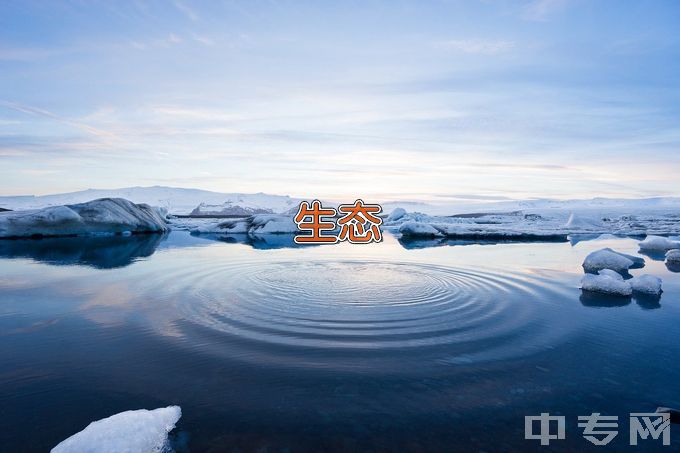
<point>658,243</point>
<point>256,224</point>
<point>502,226</point>
<point>543,225</point>
<point>647,284</point>
<point>606,282</point>
<point>609,259</point>
<point>131,431</point>
<point>418,229</point>
<point>673,256</point>
<point>102,216</point>
<point>396,214</point>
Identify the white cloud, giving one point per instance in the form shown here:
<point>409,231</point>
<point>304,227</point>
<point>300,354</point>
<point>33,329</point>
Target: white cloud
<point>35,111</point>
<point>186,10</point>
<point>203,40</point>
<point>541,10</point>
<point>477,46</point>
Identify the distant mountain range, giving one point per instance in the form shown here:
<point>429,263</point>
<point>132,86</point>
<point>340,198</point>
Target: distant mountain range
<point>197,201</point>
<point>175,200</point>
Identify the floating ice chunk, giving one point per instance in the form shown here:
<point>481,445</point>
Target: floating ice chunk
<point>272,224</point>
<point>638,261</point>
<point>606,284</point>
<point>647,284</point>
<point>658,243</point>
<point>580,222</point>
<point>222,227</point>
<point>257,224</point>
<point>418,229</point>
<point>103,216</point>
<point>673,256</point>
<point>396,214</point>
<point>608,259</point>
<point>131,431</point>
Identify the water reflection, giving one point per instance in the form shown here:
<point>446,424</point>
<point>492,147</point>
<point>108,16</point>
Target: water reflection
<point>648,301</point>
<point>309,348</point>
<point>420,243</point>
<point>655,255</point>
<point>598,300</point>
<point>259,241</point>
<point>107,252</point>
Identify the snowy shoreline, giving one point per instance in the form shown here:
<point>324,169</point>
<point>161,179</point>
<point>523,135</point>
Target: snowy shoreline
<point>265,214</point>
<point>516,226</point>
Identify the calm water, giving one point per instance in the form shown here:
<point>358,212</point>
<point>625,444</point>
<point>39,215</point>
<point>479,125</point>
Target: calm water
<point>420,346</point>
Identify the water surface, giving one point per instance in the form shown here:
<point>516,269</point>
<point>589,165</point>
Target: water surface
<point>398,346</point>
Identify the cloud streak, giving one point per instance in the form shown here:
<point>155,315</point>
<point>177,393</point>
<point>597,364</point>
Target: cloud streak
<point>476,46</point>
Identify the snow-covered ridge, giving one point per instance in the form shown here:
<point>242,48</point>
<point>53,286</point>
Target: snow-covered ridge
<point>183,201</point>
<point>175,200</point>
<point>103,216</point>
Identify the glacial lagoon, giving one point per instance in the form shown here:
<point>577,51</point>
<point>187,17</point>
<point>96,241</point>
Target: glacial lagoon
<point>428,345</point>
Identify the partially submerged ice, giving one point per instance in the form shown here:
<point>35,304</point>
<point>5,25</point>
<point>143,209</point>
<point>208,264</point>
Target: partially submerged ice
<point>102,216</point>
<point>673,256</point>
<point>606,282</point>
<point>396,214</point>
<point>419,229</point>
<point>609,259</point>
<point>578,222</point>
<point>646,284</point>
<point>131,431</point>
<point>256,224</point>
<point>659,243</point>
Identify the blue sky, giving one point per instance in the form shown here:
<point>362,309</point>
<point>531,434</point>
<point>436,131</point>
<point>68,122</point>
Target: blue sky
<point>385,100</point>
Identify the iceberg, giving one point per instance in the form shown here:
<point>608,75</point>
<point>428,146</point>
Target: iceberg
<point>418,229</point>
<point>272,224</point>
<point>96,217</point>
<point>396,214</point>
<point>579,222</point>
<point>228,208</point>
<point>609,259</point>
<point>131,431</point>
<point>256,224</point>
<point>647,284</point>
<point>606,282</point>
<point>239,226</point>
<point>658,243</point>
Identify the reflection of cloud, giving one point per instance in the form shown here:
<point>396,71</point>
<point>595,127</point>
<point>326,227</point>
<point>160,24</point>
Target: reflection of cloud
<point>109,305</point>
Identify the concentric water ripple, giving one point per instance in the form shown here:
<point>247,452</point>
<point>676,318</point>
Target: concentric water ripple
<point>364,305</point>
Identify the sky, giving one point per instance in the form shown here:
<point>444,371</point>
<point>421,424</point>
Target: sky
<point>385,100</point>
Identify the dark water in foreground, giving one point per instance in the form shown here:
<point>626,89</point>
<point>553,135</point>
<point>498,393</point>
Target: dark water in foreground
<point>425,346</point>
